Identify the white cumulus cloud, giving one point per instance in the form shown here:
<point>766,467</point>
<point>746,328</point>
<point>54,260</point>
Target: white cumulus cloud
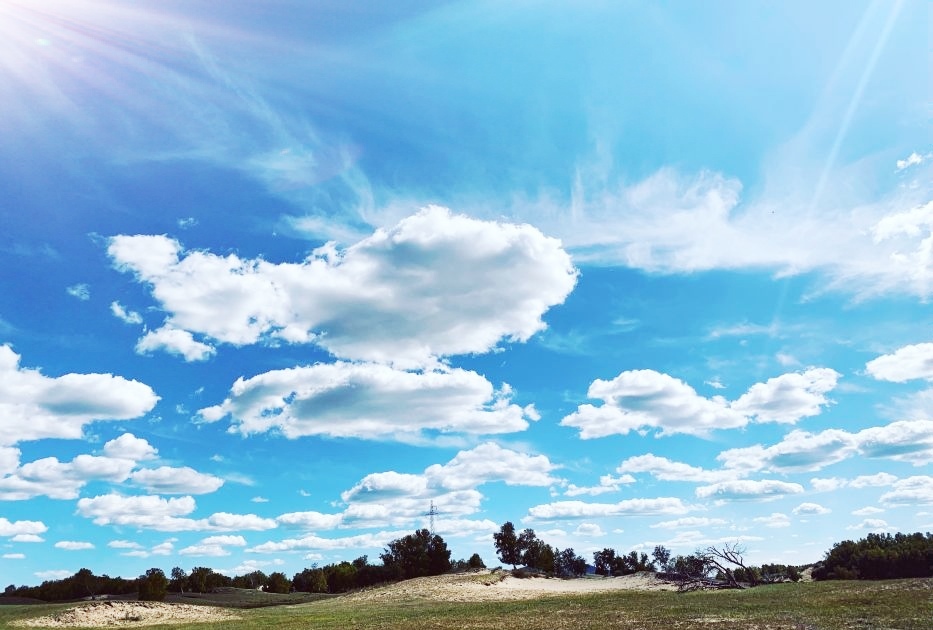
<point>371,401</point>
<point>436,284</point>
<point>34,406</point>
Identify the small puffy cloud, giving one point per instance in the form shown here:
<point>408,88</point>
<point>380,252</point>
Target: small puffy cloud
<point>385,486</point>
<point>827,484</point>
<point>668,470</point>
<point>73,545</point>
<point>436,284</point>
<point>911,160</point>
<point>80,291</point>
<point>490,462</point>
<point>871,524</point>
<point>259,500</point>
<point>873,481</point>
<point>775,520</point>
<point>228,540</point>
<point>20,528</point>
<point>124,544</point>
<point>867,511</point>
<point>691,522</point>
<point>128,446</point>
<point>215,551</point>
<point>174,341</point>
<point>168,480</point>
<point>746,489</point>
<point>14,556</point>
<point>911,491</point>
<point>810,509</point>
<point>127,317</point>
<point>35,406</point>
<point>628,507</point>
<point>166,548</point>
<point>224,521</point>
<point>607,484</point>
<point>905,364</point>
<point>789,397</point>
<point>639,399</point>
<point>27,538</point>
<point>312,521</point>
<point>369,401</point>
<point>589,530</point>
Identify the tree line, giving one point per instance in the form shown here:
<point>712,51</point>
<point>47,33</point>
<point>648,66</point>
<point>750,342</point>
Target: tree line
<point>878,556</point>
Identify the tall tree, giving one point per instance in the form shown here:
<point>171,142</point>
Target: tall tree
<point>153,585</point>
<point>507,545</point>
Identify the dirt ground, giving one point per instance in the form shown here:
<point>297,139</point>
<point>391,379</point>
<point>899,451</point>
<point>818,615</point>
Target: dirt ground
<point>499,586</point>
<point>127,614</point>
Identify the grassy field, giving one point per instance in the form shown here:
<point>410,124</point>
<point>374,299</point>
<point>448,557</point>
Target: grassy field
<point>897,604</point>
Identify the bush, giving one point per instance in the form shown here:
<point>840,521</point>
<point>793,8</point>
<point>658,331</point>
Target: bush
<point>153,586</point>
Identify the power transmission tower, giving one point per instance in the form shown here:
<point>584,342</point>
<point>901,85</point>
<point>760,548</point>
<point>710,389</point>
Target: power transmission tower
<point>431,513</point>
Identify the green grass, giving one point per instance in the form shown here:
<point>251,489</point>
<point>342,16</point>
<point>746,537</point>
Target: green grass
<point>896,604</point>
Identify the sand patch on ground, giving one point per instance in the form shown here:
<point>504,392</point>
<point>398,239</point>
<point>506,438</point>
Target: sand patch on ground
<point>499,586</point>
<point>126,614</point>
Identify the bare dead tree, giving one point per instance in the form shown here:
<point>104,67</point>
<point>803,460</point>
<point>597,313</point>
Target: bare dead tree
<point>730,555</point>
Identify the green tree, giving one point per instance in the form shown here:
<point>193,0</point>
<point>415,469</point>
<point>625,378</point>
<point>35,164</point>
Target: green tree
<point>662,557</point>
<point>605,561</point>
<point>416,555</point>
<point>278,583</point>
<point>153,585</point>
<point>179,580</point>
<point>507,545</point>
<point>475,562</point>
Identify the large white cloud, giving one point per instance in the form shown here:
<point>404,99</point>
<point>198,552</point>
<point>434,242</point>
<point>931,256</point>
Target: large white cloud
<point>436,284</point>
<point>34,406</point>
<point>366,400</point>
<point>639,399</point>
<point>491,462</point>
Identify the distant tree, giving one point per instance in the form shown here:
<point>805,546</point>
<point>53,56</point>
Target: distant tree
<point>340,577</point>
<point>475,562</point>
<point>310,581</point>
<point>879,556</point>
<point>278,583</point>
<point>507,545</point>
<point>415,555</point>
<point>179,580</point>
<point>9,590</point>
<point>604,561</point>
<point>662,557</point>
<point>253,580</point>
<point>153,585</point>
<point>568,564</point>
<point>725,559</point>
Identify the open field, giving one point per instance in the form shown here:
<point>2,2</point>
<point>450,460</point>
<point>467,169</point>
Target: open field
<point>900,604</point>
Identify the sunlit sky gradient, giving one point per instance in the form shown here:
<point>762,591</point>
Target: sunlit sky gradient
<point>277,275</point>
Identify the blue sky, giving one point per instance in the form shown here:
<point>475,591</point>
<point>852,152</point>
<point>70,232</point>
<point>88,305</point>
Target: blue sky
<point>278,276</point>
